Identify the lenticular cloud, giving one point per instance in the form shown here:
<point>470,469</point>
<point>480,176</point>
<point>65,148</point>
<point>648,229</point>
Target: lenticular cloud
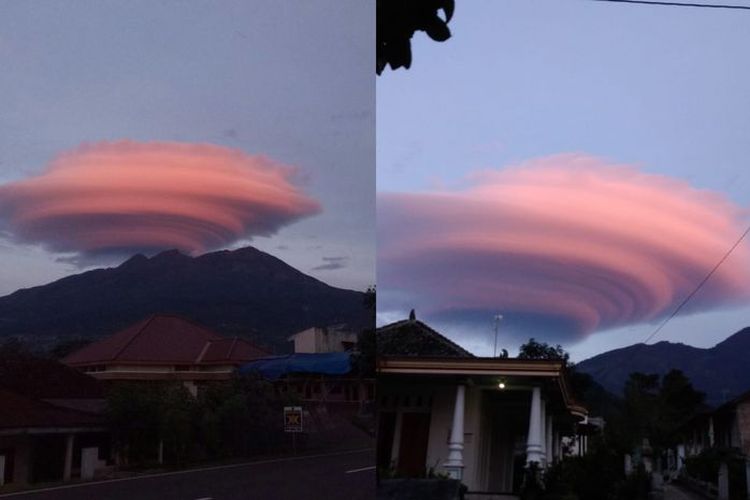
<point>127,196</point>
<point>566,240</point>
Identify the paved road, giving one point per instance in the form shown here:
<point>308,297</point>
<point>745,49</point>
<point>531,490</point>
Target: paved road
<point>343,475</point>
<point>672,492</point>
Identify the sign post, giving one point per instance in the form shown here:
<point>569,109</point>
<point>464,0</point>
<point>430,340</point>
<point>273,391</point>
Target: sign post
<point>293,423</point>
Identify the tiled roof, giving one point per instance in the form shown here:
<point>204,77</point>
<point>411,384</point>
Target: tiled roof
<point>411,337</point>
<point>234,349</point>
<point>23,412</point>
<point>165,339</point>
<point>46,379</point>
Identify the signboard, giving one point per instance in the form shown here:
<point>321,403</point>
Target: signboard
<point>292,419</point>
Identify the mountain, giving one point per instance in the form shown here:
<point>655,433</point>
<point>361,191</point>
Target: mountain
<point>244,292</point>
<point>722,372</point>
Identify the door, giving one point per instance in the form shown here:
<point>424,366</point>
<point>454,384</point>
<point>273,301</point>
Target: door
<point>412,451</point>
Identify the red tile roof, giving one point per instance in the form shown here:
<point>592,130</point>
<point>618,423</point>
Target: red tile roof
<point>165,339</point>
<point>46,379</point>
<point>22,412</point>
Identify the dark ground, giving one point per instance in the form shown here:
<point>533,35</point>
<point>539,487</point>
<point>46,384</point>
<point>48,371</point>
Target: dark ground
<point>324,476</point>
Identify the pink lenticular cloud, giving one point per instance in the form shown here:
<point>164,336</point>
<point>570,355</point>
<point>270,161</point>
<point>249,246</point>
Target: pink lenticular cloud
<point>569,240</point>
<point>120,197</point>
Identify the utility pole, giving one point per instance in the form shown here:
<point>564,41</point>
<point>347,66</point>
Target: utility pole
<point>498,317</point>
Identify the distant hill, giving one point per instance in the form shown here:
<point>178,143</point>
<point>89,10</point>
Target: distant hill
<point>244,292</point>
<point>722,372</point>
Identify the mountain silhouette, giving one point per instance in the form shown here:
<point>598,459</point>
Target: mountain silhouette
<point>244,292</point>
<point>721,371</point>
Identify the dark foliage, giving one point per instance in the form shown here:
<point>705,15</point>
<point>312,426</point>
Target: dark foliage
<point>595,476</point>
<point>66,347</point>
<point>398,20</point>
<point>721,371</point>
<point>541,350</point>
<point>238,418</point>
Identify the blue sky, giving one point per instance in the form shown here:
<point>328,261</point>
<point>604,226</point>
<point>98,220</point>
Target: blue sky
<point>666,89</point>
<point>290,80</point>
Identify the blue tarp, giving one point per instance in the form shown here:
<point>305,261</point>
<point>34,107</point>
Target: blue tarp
<point>272,368</point>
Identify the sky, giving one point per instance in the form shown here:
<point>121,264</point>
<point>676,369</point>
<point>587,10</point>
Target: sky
<point>577,167</point>
<point>142,126</point>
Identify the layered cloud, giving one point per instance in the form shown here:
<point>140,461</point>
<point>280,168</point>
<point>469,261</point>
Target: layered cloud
<point>567,244</point>
<point>122,197</point>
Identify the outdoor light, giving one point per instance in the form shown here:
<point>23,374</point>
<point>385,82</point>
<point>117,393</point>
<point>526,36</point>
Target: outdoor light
<point>501,385</point>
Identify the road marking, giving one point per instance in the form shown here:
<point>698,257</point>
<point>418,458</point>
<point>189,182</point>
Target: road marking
<point>188,471</point>
<point>359,470</point>
<point>204,498</point>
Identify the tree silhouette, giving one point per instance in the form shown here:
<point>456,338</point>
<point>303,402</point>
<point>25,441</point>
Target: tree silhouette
<point>398,20</point>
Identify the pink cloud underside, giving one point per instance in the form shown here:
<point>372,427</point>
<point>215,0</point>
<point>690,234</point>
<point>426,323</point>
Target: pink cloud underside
<point>131,195</point>
<point>565,236</point>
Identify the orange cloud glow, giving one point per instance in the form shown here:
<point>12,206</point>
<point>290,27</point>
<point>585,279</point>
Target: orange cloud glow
<point>567,240</point>
<point>121,197</point>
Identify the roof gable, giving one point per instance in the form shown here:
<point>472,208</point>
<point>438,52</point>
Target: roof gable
<point>411,337</point>
<point>165,339</point>
<point>47,379</point>
<point>23,412</point>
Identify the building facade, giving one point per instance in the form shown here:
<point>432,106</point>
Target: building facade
<point>481,420</point>
<point>165,348</point>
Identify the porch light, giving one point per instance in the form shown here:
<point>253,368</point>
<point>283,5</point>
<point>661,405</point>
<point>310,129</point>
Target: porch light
<point>501,385</point>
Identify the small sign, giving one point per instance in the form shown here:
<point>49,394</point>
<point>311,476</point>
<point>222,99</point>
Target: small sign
<point>292,419</point>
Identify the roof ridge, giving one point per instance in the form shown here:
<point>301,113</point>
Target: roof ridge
<point>445,339</point>
<point>231,348</point>
<point>439,336</point>
<point>203,351</point>
<point>140,330</point>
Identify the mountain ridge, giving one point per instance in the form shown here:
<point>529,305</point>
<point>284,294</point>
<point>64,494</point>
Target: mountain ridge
<point>720,371</point>
<point>243,292</point>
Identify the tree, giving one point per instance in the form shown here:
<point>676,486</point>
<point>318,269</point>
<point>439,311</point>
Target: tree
<point>541,350</point>
<point>398,20</point>
<point>66,347</point>
<point>656,408</point>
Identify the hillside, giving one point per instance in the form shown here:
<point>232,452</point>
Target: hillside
<point>243,292</point>
<point>721,372</point>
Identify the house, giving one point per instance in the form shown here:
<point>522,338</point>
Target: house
<point>51,423</point>
<point>322,378</point>
<point>480,420</point>
<point>336,399</point>
<point>165,347</point>
<point>725,430</point>
<point>335,338</point>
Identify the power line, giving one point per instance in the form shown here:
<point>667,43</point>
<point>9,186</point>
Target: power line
<point>682,304</point>
<point>703,282</point>
<point>680,4</point>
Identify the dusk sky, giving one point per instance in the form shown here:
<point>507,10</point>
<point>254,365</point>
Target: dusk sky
<point>142,126</point>
<point>578,167</point>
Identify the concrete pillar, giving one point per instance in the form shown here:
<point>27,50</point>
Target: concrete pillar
<point>723,481</point>
<point>455,463</point>
<point>67,470</point>
<point>555,445</point>
<point>549,446</point>
<point>543,440</point>
<point>89,460</point>
<point>534,438</point>
<point>2,470</point>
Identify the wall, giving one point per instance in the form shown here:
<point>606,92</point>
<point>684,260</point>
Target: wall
<point>21,446</point>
